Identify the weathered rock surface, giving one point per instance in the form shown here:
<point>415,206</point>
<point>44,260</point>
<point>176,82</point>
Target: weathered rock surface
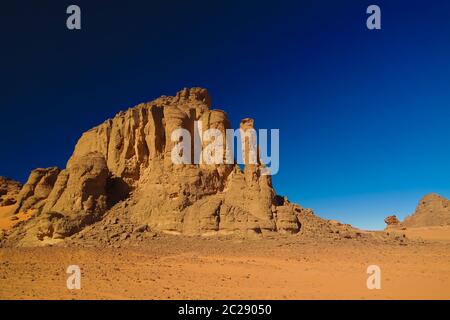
<point>392,221</point>
<point>36,190</point>
<point>122,171</point>
<point>81,187</point>
<point>133,139</point>
<point>9,189</point>
<point>432,210</point>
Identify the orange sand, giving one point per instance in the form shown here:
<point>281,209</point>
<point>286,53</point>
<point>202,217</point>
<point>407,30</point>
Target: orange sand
<point>6,213</point>
<point>428,233</point>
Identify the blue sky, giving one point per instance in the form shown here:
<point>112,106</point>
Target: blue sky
<point>363,115</point>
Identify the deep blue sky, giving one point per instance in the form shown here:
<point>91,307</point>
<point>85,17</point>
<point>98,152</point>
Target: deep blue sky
<point>364,116</point>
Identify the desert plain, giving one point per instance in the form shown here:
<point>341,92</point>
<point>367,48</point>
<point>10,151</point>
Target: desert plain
<point>173,267</point>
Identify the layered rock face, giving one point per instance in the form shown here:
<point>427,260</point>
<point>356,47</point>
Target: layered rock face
<point>126,163</point>
<point>432,210</point>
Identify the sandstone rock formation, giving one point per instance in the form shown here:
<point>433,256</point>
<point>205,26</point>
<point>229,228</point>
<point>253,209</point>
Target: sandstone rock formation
<point>392,221</point>
<point>200,199</point>
<point>36,190</point>
<point>9,189</point>
<point>432,210</point>
<point>122,170</point>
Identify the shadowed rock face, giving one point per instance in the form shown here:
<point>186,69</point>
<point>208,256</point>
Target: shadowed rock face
<point>432,210</point>
<point>128,159</point>
<point>9,189</point>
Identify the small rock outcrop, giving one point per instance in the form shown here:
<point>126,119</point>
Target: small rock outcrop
<point>9,189</point>
<point>392,221</point>
<point>432,210</point>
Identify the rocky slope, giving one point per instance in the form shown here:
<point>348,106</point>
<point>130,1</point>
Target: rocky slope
<point>9,190</point>
<point>433,210</point>
<point>121,179</point>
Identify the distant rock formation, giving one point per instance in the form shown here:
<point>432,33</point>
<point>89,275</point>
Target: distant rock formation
<point>9,189</point>
<point>392,221</point>
<point>122,169</point>
<point>432,210</point>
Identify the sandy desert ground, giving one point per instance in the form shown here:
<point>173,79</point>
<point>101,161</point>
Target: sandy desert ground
<point>172,267</point>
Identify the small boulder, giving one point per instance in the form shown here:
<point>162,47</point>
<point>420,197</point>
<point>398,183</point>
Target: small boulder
<point>392,221</point>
